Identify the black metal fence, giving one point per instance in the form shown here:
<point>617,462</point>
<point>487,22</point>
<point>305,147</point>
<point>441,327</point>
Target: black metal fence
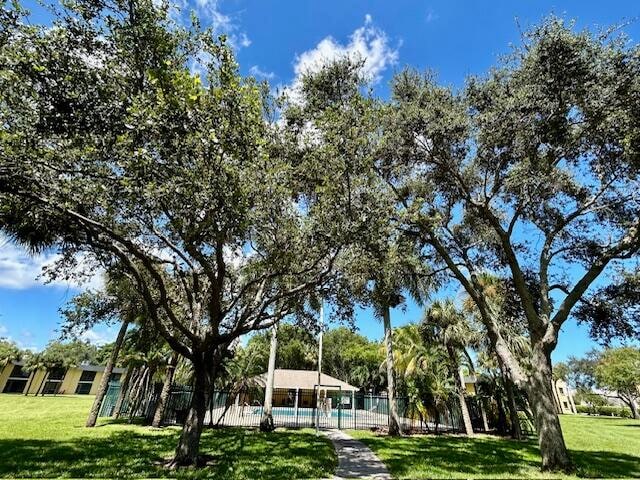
<point>296,408</point>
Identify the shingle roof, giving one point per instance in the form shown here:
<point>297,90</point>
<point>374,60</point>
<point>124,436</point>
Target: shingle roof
<point>303,379</point>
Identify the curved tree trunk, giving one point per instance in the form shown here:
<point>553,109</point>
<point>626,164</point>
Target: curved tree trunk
<point>124,391</point>
<point>394,420</point>
<point>266,422</point>
<point>634,410</point>
<point>166,390</point>
<point>459,379</point>
<point>106,376</point>
<point>550,439</point>
<point>188,449</point>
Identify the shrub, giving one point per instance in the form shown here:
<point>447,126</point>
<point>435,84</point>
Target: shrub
<point>606,410</point>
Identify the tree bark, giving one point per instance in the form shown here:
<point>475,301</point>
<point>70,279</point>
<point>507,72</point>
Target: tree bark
<point>552,447</point>
<point>266,422</point>
<point>516,431</point>
<point>483,412</point>
<point>634,410</point>
<point>394,420</point>
<point>188,449</point>
<point>124,390</point>
<point>459,379</point>
<point>166,390</point>
<point>104,382</point>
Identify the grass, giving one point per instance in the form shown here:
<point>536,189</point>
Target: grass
<point>600,447</point>
<point>46,437</point>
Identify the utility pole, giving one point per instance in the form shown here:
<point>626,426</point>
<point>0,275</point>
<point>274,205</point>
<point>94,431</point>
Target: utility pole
<point>319,367</point>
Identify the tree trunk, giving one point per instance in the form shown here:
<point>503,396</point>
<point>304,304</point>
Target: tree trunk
<point>634,410</point>
<point>32,376</point>
<point>266,422</point>
<point>104,383</point>
<point>516,431</point>
<point>483,412</point>
<point>394,420</point>
<point>188,449</point>
<point>552,447</point>
<point>166,390</point>
<point>124,391</point>
<point>459,379</point>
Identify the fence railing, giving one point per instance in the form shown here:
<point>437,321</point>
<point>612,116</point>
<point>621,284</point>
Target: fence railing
<point>294,408</point>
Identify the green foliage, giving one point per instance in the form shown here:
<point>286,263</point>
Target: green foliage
<point>619,369</point>
<point>352,357</point>
<point>9,352</point>
<point>297,348</point>
<point>606,410</point>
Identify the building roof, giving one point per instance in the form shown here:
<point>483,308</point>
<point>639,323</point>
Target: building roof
<point>304,380</point>
<point>90,368</point>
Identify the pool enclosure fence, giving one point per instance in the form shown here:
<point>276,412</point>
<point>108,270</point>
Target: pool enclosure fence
<point>293,408</point>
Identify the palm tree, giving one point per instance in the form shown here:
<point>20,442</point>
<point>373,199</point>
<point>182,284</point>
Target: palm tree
<point>9,353</point>
<point>414,364</point>
<point>510,322</point>
<point>443,322</point>
<point>266,422</point>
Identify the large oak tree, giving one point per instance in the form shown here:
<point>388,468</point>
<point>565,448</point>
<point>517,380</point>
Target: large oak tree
<point>115,148</point>
<point>532,172</point>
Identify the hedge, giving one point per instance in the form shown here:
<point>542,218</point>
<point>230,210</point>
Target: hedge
<point>607,410</point>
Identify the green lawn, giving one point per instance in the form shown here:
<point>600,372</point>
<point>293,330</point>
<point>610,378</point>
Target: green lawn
<point>600,447</point>
<point>46,437</point>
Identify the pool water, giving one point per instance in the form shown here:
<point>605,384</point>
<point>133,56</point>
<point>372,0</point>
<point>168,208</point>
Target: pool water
<point>307,412</point>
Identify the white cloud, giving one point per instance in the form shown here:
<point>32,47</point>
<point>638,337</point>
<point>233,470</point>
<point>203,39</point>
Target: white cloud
<point>256,71</point>
<point>19,270</point>
<point>3,330</point>
<point>245,41</point>
<point>211,14</point>
<point>367,43</point>
<point>98,337</point>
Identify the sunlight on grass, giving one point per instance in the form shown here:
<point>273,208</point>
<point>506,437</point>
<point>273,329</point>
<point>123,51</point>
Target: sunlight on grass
<point>46,437</point>
<point>600,447</point>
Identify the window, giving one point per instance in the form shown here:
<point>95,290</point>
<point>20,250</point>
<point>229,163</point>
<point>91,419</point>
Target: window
<point>566,405</point>
<point>56,374</point>
<point>86,382</point>
<point>54,380</point>
<point>17,380</point>
<point>83,388</point>
<point>561,390</point>
<point>18,372</point>
<point>115,377</point>
<point>15,386</point>
<point>87,376</point>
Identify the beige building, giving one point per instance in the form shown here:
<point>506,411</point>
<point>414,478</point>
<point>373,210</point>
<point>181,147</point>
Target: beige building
<point>81,380</point>
<point>564,398</point>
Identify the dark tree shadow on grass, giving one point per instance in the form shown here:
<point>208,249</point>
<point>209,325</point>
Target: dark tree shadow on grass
<point>234,453</point>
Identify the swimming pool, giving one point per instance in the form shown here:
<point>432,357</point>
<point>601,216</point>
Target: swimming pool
<point>306,412</point>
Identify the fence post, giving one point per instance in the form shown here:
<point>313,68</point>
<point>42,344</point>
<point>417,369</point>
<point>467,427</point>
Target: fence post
<point>295,406</point>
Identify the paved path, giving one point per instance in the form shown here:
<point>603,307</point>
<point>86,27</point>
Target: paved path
<point>355,459</point>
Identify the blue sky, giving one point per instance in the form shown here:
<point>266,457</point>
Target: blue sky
<point>275,40</point>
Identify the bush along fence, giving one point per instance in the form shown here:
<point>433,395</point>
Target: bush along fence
<point>293,408</point>
<point>605,410</point>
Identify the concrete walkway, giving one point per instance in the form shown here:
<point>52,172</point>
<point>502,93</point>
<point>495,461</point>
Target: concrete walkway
<point>355,459</point>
